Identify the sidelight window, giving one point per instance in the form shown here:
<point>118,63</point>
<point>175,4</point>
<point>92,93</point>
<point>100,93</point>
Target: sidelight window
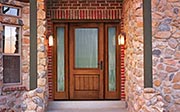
<point>112,58</point>
<point>60,59</point>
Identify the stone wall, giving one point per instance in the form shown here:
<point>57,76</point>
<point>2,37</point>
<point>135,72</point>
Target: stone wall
<point>139,99</point>
<point>166,51</point>
<point>164,96</point>
<point>23,22</point>
<point>18,97</point>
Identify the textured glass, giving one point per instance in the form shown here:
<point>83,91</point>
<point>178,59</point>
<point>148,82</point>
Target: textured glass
<point>86,48</point>
<point>11,39</point>
<point>112,58</point>
<point>60,59</point>
<point>10,11</point>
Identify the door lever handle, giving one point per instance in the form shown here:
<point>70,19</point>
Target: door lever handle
<point>101,65</point>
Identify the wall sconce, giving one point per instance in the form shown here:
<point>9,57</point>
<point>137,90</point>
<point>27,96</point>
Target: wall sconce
<point>50,39</point>
<point>121,39</point>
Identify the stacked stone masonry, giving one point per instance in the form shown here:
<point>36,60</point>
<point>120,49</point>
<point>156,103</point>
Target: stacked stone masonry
<point>166,51</point>
<point>24,23</point>
<point>164,96</point>
<point>18,98</point>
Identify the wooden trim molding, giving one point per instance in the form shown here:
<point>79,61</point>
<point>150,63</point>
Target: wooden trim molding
<point>33,44</point>
<point>147,18</point>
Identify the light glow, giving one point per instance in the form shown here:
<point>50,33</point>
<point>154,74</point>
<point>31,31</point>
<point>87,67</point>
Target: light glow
<point>121,39</point>
<point>50,40</point>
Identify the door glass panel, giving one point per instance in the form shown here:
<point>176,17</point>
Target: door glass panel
<point>112,58</point>
<point>86,48</point>
<point>60,59</point>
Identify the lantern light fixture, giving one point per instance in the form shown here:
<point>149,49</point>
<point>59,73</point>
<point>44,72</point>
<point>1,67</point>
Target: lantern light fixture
<point>121,39</point>
<point>50,39</point>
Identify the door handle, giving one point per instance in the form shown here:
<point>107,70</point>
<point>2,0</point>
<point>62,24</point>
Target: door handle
<point>101,65</point>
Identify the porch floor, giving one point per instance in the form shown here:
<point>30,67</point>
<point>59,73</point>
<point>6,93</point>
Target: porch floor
<point>87,106</point>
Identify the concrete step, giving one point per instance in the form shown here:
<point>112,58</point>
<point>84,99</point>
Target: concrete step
<point>87,106</point>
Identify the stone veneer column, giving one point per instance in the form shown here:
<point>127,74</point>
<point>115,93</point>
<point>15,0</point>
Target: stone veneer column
<point>36,100</point>
<point>138,98</point>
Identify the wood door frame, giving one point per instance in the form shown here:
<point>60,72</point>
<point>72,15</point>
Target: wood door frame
<point>65,94</point>
<point>112,94</point>
<point>100,55</point>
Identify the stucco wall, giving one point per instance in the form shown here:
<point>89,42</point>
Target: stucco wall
<point>18,97</point>
<point>165,93</point>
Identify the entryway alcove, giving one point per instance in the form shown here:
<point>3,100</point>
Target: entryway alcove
<point>86,61</point>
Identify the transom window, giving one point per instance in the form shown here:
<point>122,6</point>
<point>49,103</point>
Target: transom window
<point>11,54</point>
<point>12,11</point>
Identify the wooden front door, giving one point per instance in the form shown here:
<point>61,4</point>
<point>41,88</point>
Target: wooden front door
<point>86,62</point>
